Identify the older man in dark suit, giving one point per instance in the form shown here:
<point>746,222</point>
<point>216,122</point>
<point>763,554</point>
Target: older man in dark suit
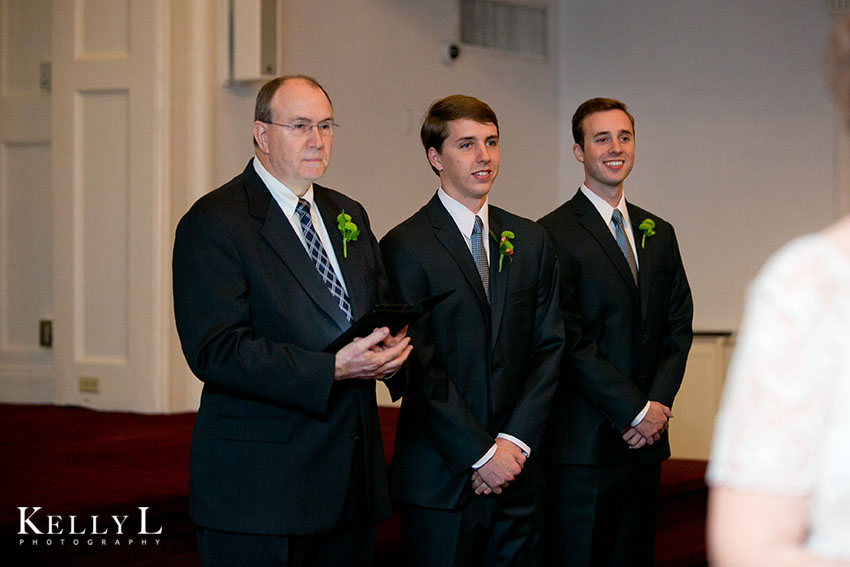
<point>627,313</point>
<point>286,463</point>
<point>485,360</point>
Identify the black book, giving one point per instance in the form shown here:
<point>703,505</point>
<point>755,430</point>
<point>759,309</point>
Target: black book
<point>394,316</point>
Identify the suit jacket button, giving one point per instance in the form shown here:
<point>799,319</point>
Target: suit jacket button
<point>353,436</point>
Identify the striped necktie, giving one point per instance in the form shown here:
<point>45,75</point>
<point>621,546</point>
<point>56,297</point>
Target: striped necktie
<point>320,257</point>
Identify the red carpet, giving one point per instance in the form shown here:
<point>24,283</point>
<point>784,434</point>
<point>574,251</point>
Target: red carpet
<point>78,462</point>
<point>75,461</point>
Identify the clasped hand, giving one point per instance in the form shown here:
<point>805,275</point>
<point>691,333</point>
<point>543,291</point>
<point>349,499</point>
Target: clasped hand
<point>649,430</point>
<point>373,357</point>
<point>502,468</point>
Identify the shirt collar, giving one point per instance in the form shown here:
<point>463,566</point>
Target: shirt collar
<point>606,210</point>
<point>285,197</point>
<point>463,217</point>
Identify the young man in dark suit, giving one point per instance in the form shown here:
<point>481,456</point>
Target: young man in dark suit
<point>286,463</point>
<point>485,360</point>
<point>627,313</point>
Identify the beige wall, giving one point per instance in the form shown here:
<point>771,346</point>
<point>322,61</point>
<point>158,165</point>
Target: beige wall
<point>734,126</point>
<point>735,139</point>
<point>380,62</point>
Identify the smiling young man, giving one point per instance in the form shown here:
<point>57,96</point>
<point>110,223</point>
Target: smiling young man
<point>485,360</point>
<point>627,311</point>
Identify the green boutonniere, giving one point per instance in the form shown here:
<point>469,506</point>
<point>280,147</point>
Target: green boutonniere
<point>348,229</point>
<point>506,248</point>
<point>648,228</point>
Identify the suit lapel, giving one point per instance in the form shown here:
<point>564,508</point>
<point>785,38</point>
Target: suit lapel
<point>353,271</point>
<point>450,237</point>
<point>498,279</point>
<point>590,219</point>
<point>278,232</point>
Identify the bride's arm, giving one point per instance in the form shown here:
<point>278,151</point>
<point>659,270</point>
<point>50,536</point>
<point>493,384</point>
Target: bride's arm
<point>748,528</point>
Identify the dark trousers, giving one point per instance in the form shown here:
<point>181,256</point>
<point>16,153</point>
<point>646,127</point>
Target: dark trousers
<point>351,543</point>
<point>598,516</point>
<point>490,530</point>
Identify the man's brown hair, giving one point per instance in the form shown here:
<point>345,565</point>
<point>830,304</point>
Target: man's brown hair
<point>435,127</point>
<point>593,106</point>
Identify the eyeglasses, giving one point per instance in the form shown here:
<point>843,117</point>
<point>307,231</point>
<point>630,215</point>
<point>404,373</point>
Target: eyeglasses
<point>302,128</point>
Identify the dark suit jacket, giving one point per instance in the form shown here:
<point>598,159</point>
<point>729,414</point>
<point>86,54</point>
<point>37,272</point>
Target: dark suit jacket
<point>476,369</point>
<point>274,438</point>
<point>626,344</point>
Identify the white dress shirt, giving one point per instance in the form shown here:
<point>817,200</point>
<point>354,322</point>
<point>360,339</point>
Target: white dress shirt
<point>287,201</point>
<point>606,211</point>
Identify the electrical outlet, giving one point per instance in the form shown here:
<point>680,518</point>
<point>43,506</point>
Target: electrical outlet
<point>45,79</point>
<point>89,384</point>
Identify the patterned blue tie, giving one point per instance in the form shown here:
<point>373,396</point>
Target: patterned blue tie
<point>320,257</point>
<point>623,243</point>
<point>476,244</point>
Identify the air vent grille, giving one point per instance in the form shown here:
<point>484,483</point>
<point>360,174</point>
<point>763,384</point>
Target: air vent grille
<point>505,26</point>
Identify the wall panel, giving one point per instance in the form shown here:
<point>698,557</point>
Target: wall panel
<point>103,29</point>
<point>25,245</point>
<point>102,251</point>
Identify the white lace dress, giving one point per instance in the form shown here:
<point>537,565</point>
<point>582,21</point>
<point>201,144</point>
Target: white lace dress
<point>784,423</point>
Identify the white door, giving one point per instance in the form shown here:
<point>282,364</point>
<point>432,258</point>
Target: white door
<point>109,177</point>
<point>26,240</point>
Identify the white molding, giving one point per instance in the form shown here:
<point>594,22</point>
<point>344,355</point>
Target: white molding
<point>205,23</point>
<point>160,205</point>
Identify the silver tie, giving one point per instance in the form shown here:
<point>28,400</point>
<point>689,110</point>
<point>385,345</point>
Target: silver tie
<point>623,243</point>
<point>477,246</point>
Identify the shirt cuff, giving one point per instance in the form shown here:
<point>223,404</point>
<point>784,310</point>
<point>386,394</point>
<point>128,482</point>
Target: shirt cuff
<point>641,415</point>
<point>483,460</point>
<point>526,450</point>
